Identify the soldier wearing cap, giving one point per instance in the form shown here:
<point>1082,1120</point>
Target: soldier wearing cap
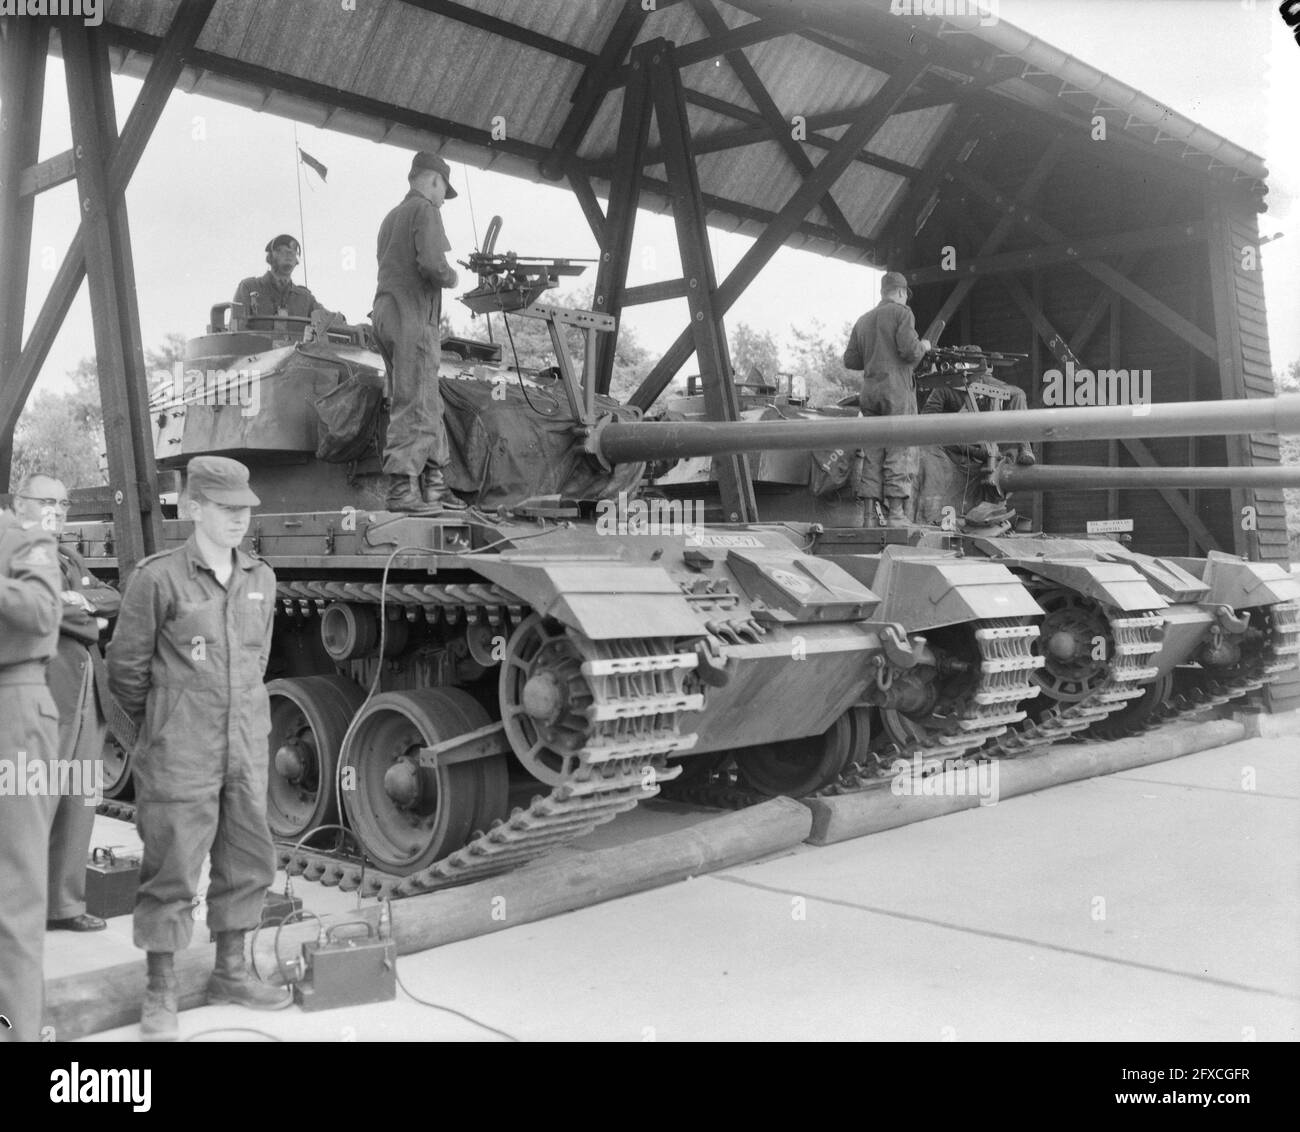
<point>275,293</point>
<point>885,346</point>
<point>413,270</point>
<point>186,662</point>
<point>29,729</point>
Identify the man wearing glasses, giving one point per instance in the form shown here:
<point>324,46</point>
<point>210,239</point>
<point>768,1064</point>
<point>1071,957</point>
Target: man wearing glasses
<point>78,681</point>
<point>275,293</point>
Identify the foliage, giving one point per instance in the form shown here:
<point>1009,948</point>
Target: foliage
<point>751,349</point>
<point>818,360</point>
<point>63,433</point>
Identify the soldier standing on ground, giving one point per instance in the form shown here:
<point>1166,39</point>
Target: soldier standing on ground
<point>186,661</point>
<point>78,682</point>
<point>29,736</point>
<point>885,346</point>
<point>413,270</point>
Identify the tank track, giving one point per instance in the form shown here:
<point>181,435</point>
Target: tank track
<point>637,699</point>
<point>1135,639</point>
<point>1006,664</point>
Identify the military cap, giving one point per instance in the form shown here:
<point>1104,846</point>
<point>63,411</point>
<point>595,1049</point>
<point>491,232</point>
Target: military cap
<point>426,160</point>
<point>281,241</point>
<point>220,480</point>
<point>894,281</point>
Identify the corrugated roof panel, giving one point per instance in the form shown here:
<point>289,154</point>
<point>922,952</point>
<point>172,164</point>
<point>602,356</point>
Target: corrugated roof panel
<point>804,78</point>
<point>865,194</point>
<point>679,24</point>
<point>908,137</point>
<point>760,175</point>
<point>582,23</point>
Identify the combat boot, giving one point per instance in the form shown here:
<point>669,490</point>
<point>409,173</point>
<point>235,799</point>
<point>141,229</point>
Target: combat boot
<point>434,489</point>
<point>403,496</point>
<point>897,516</point>
<point>231,982</point>
<point>158,1011</point>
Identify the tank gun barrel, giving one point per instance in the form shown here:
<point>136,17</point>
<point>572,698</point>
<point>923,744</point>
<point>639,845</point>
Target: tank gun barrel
<point>1050,477</point>
<point>619,442</point>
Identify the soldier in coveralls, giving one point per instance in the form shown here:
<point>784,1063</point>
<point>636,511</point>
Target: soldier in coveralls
<point>29,794</point>
<point>186,661</point>
<point>413,270</point>
<point>885,346</point>
<point>78,682</point>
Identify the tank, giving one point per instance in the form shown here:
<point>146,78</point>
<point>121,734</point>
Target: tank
<point>1126,638</point>
<point>463,693</point>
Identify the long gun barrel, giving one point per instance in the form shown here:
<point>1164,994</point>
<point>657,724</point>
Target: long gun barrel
<point>618,442</point>
<point>1049,477</point>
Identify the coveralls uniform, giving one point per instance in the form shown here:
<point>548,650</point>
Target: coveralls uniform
<point>188,656</point>
<point>885,346</point>
<point>30,608</point>
<point>413,270</point>
<point>78,681</point>
<point>265,296</point>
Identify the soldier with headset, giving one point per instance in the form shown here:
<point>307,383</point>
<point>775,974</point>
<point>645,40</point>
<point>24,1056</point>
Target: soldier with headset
<point>275,293</point>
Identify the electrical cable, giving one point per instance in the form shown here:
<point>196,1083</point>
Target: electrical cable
<point>450,1009</point>
<point>232,1030</point>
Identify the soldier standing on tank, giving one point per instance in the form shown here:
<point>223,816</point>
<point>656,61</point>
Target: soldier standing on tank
<point>78,682</point>
<point>186,661</point>
<point>885,346</point>
<point>413,270</point>
<point>275,292</point>
<point>29,737</point>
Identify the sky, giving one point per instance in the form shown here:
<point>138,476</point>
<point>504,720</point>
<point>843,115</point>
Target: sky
<point>218,181</point>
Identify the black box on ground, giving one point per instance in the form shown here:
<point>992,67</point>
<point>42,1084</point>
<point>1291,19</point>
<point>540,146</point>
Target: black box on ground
<point>111,882</point>
<point>347,970</point>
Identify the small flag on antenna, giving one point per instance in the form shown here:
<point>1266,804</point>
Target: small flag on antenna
<point>308,160</point>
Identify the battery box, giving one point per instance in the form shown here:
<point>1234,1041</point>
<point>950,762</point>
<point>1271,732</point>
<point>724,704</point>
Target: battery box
<point>347,969</point>
<point>111,883</point>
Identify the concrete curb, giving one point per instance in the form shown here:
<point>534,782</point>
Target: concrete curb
<point>857,815</point>
<point>87,1003</point>
<point>1263,725</point>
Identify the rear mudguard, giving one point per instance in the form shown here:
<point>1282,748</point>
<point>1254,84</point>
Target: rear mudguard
<point>1240,584</point>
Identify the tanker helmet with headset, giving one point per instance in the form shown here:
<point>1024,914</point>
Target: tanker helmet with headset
<point>277,241</point>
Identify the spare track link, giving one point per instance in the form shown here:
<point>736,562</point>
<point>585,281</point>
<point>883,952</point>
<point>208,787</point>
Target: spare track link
<point>623,762</point>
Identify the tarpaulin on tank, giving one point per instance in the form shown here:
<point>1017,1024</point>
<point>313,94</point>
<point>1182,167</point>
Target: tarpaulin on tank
<point>503,450</point>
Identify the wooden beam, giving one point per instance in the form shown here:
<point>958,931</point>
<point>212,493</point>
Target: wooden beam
<point>505,29</point>
<point>581,186</point>
<point>772,116</point>
<point>701,50</point>
<point>625,192</point>
<point>655,292</point>
<point>48,174</point>
<point>590,91</point>
<point>1042,169</point>
<point>785,223</point>
<point>1071,251</point>
<point>119,361</point>
<point>1143,300</point>
<point>1100,306</point>
<point>1177,502</point>
<point>721,402</point>
<point>170,53</point>
<point>22,81</point>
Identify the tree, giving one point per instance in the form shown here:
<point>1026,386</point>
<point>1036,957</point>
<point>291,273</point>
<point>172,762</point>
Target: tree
<point>63,433</point>
<point>817,359</point>
<point>752,349</point>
